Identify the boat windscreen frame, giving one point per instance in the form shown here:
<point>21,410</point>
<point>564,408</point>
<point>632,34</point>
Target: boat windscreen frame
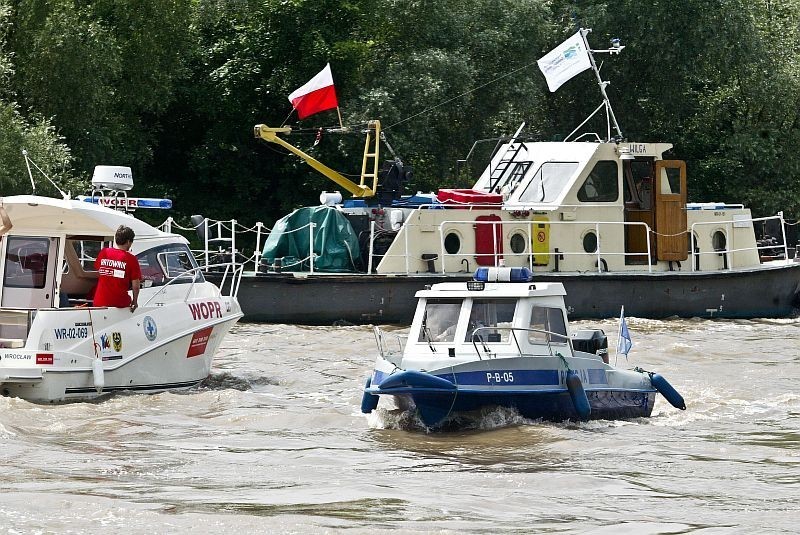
<point>156,270</point>
<point>549,194</point>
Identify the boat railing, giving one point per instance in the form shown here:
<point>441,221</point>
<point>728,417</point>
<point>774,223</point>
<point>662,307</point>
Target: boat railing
<point>481,334</point>
<point>599,253</point>
<point>234,239</point>
<point>222,238</point>
<point>234,271</point>
<point>234,242</point>
<point>389,344</point>
<point>729,247</point>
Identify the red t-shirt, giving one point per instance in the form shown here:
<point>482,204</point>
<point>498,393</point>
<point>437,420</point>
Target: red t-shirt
<point>117,268</point>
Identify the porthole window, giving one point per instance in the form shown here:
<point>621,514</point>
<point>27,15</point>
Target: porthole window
<point>452,243</point>
<point>518,242</point>
<point>590,242</point>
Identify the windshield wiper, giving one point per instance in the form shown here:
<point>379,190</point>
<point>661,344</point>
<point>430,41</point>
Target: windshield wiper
<point>426,334</point>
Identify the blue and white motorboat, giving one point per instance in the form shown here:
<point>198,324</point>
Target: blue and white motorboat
<point>503,340</point>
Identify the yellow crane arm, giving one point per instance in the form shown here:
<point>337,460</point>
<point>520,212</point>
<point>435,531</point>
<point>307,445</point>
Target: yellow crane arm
<point>371,155</point>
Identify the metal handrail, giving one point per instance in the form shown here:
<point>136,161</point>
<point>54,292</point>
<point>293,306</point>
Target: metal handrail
<point>262,232</point>
<point>512,331</point>
<point>597,252</point>
<point>380,339</point>
<point>729,233</point>
<point>234,269</point>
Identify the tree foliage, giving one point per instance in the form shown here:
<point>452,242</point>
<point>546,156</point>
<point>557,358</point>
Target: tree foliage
<point>174,87</point>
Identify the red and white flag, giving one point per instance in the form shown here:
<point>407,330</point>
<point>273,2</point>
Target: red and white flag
<point>318,94</point>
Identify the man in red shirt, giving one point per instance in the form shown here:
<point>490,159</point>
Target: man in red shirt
<point>118,270</point>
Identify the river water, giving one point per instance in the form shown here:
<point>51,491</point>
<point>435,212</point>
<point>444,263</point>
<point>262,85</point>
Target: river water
<point>274,442</point>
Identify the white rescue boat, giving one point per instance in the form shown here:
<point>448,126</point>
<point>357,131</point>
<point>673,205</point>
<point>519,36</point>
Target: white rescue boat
<point>56,346</point>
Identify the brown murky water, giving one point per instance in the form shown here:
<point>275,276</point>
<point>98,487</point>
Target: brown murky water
<point>275,442</point>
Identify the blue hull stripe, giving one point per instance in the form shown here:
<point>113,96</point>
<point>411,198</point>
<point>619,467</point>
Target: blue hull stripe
<point>504,378</point>
<point>525,377</point>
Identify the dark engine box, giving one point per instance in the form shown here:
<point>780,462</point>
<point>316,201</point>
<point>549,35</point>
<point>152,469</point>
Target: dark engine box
<point>590,341</point>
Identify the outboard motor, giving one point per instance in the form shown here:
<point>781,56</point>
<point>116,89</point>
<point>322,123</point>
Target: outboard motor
<point>591,341</point>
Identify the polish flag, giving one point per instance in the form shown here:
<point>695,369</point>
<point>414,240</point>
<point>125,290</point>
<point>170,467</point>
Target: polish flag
<point>317,95</point>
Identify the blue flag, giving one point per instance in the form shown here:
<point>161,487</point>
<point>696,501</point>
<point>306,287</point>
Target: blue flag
<point>624,343</point>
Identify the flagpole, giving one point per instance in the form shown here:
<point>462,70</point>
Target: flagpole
<point>619,333</point>
<point>600,82</point>
<point>341,125</point>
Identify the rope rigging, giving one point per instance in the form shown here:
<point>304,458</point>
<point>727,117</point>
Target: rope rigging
<point>359,126</point>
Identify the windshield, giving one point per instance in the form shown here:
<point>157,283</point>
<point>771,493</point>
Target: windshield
<point>490,320</point>
<point>167,262</point>
<point>440,320</point>
<point>548,182</point>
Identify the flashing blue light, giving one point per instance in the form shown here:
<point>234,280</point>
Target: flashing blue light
<point>164,204</point>
<point>503,274</point>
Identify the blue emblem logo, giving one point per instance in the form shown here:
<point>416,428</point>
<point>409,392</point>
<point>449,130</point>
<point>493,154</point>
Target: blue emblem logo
<point>150,328</point>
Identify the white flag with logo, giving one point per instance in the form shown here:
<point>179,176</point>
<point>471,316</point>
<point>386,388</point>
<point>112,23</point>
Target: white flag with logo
<point>565,61</point>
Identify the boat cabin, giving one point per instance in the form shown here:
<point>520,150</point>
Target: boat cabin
<point>575,206</point>
<point>47,252</point>
<point>489,318</point>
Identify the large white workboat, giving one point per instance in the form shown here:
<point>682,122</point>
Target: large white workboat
<point>55,346</point>
<point>607,217</point>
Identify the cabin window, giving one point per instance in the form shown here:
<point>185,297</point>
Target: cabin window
<point>640,178</point>
<point>26,262</point>
<point>547,325</point>
<point>718,241</point>
<point>490,320</point>
<point>440,320</point>
<point>87,251</point>
<point>602,184</point>
<point>548,182</point>
<point>167,262</point>
<point>670,180</point>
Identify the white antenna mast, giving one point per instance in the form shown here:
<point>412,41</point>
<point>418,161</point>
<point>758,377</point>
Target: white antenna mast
<point>615,48</point>
<point>28,163</point>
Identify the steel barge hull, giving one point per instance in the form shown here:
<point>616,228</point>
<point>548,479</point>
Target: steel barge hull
<point>325,298</point>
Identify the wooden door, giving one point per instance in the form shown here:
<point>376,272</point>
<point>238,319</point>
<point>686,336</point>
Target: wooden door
<point>670,207</point>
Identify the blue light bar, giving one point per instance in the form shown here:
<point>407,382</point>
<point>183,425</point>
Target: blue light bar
<point>503,274</point>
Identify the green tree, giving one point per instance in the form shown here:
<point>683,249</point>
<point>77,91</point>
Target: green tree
<point>37,136</point>
<point>103,71</point>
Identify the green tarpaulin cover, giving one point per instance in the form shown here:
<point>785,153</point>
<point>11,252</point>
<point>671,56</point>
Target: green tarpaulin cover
<point>335,241</point>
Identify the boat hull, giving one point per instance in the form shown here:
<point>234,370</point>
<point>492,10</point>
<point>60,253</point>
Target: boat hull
<point>611,404</point>
<point>362,298</point>
<point>166,366</point>
<point>537,388</point>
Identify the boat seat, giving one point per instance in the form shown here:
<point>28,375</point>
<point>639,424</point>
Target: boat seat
<point>12,343</point>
